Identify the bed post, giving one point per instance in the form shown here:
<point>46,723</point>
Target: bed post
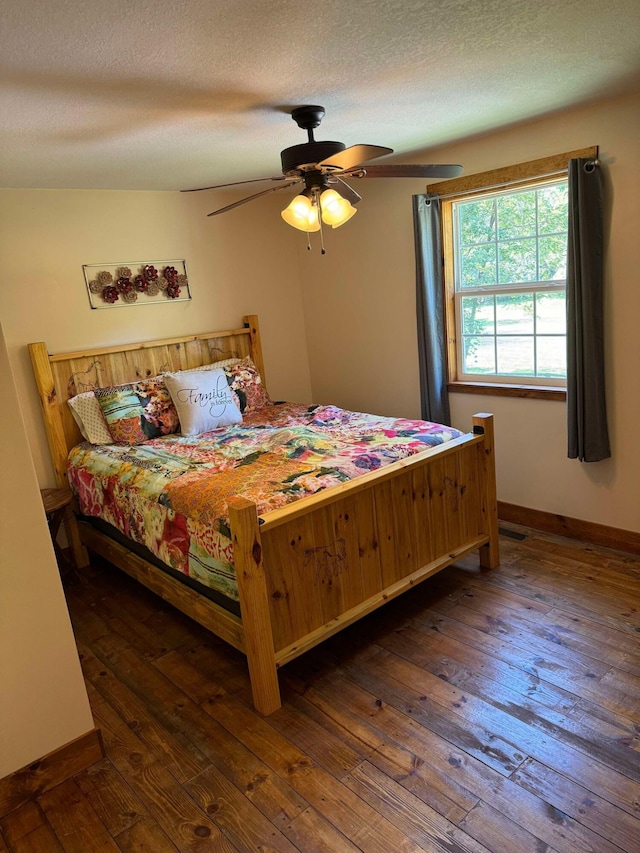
<point>55,437</point>
<point>49,403</point>
<point>489,553</point>
<point>251,322</point>
<point>254,605</point>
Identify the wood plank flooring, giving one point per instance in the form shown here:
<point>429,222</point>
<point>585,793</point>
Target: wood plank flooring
<point>495,711</point>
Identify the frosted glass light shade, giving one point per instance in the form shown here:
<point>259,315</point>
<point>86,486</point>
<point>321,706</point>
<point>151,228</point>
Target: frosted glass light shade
<point>336,210</point>
<point>301,214</point>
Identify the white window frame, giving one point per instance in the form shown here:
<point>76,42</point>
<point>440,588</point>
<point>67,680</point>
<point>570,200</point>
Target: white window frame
<point>505,378</point>
<point>495,290</point>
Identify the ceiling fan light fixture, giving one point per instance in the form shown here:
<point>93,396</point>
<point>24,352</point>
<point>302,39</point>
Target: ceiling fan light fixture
<point>335,209</point>
<point>302,214</point>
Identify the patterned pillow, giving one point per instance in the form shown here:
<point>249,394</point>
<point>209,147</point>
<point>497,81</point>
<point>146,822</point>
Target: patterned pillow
<point>226,362</point>
<point>139,411</point>
<point>88,415</point>
<point>203,399</point>
<point>244,378</point>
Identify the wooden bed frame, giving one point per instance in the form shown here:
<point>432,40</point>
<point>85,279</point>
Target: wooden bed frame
<point>309,569</point>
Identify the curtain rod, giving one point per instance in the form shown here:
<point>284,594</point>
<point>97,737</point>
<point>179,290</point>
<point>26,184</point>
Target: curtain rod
<point>588,167</point>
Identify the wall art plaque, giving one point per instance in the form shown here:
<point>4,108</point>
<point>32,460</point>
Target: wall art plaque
<point>136,283</point>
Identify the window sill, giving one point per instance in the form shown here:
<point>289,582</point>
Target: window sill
<point>495,389</point>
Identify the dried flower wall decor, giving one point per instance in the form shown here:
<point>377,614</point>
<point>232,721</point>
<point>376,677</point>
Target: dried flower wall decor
<point>136,283</point>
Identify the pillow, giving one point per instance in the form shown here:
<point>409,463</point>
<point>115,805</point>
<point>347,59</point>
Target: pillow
<point>226,362</point>
<point>88,415</point>
<point>244,378</point>
<point>138,411</point>
<point>203,399</point>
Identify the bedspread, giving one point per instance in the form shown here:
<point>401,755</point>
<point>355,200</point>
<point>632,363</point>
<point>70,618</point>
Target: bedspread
<point>170,494</point>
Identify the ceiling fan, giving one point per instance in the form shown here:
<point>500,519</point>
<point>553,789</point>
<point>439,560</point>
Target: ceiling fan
<point>322,168</point>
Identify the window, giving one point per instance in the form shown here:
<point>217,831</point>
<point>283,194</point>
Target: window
<point>505,271</point>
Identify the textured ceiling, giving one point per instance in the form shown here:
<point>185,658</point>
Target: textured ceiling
<point>168,94</point>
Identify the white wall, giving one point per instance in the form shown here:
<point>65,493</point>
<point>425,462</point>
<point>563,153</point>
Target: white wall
<point>43,701</point>
<point>360,318</point>
<point>240,263</point>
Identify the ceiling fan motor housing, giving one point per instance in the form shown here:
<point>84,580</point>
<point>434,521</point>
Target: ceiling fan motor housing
<point>299,158</point>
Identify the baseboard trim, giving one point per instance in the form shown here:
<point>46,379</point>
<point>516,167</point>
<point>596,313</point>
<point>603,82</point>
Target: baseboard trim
<point>29,782</point>
<point>575,528</point>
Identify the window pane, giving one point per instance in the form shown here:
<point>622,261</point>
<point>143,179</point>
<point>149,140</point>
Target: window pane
<point>512,241</point>
<point>551,313</point>
<point>477,315</point>
<point>553,209</point>
<point>515,356</point>
<point>552,253</point>
<point>514,314</point>
<point>552,357</point>
<point>517,215</point>
<point>477,221</point>
<point>478,355</point>
<point>478,266</point>
<point>517,261</point>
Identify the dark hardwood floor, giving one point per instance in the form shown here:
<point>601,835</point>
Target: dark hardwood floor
<point>494,711</point>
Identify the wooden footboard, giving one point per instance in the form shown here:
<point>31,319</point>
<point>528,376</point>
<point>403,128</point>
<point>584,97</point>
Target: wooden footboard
<point>316,566</point>
<point>309,570</point>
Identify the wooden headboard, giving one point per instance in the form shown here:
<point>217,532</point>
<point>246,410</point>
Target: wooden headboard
<point>63,375</point>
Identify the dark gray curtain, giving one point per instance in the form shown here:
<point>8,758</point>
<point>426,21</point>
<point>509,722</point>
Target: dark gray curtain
<point>588,437</point>
<point>432,352</point>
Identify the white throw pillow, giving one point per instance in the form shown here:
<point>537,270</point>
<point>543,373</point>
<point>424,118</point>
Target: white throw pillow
<point>88,415</point>
<point>203,399</point>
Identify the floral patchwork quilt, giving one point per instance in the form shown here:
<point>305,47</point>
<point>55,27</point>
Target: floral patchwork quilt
<point>170,494</point>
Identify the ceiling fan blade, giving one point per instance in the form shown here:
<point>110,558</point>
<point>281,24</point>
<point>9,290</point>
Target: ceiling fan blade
<point>409,171</point>
<point>355,155</point>
<point>236,183</point>
<point>346,191</point>
<point>250,198</point>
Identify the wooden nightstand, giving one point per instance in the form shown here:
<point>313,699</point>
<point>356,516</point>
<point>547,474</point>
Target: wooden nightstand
<point>58,509</point>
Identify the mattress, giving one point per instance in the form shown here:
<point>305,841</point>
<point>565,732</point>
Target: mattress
<point>170,494</point>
